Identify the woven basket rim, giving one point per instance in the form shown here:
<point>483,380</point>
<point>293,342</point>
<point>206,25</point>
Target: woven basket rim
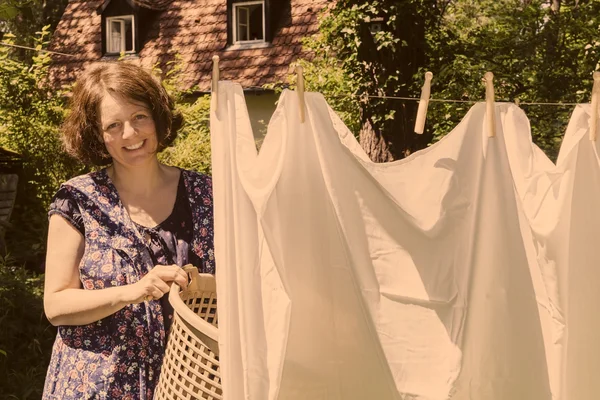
<point>189,316</point>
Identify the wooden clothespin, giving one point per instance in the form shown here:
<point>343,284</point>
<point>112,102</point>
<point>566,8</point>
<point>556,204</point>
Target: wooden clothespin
<point>215,80</point>
<point>490,109</point>
<point>300,90</point>
<point>595,99</point>
<point>423,104</point>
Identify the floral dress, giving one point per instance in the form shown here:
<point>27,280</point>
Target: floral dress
<point>120,356</point>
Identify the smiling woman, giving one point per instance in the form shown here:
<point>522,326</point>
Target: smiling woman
<point>128,130</point>
<point>95,110</point>
<point>118,238</point>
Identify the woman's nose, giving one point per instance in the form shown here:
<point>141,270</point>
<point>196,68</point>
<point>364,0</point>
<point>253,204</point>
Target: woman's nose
<point>128,130</point>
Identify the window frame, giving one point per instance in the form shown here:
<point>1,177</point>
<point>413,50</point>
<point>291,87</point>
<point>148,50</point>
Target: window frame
<point>234,27</point>
<point>108,31</point>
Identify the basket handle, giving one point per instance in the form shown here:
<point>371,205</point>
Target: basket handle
<point>193,277</point>
<point>207,329</point>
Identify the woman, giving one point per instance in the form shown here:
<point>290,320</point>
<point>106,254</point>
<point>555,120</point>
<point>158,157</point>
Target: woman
<point>118,238</point>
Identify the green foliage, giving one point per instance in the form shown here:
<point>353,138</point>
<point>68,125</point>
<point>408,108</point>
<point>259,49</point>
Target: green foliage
<point>31,112</point>
<point>9,9</point>
<point>191,149</point>
<point>26,336</point>
<point>325,76</point>
<point>537,54</point>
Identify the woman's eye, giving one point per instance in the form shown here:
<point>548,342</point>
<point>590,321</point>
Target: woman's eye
<point>140,116</point>
<point>112,126</point>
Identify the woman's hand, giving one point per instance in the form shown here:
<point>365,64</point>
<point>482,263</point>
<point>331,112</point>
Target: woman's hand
<point>67,303</point>
<point>157,282</point>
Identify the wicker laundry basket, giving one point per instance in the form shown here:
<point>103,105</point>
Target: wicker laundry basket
<point>190,367</point>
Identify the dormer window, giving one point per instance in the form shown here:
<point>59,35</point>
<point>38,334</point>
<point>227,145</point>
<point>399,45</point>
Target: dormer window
<point>120,34</point>
<point>249,22</point>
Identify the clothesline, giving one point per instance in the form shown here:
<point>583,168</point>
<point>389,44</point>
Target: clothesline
<point>34,49</point>
<point>559,104</point>
<point>527,103</point>
<point>455,101</point>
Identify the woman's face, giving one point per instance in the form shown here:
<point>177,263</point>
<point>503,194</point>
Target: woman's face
<point>128,130</point>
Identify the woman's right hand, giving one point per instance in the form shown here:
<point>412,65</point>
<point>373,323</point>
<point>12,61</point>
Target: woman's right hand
<point>156,283</point>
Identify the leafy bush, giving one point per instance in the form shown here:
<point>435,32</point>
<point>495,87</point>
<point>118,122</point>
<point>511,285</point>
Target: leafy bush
<point>31,112</point>
<point>26,336</point>
<point>191,149</point>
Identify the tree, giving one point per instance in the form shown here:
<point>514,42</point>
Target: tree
<point>381,45</point>
<point>539,51</point>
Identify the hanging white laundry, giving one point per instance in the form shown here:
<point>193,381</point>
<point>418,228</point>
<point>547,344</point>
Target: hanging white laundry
<point>343,279</point>
<point>561,227</point>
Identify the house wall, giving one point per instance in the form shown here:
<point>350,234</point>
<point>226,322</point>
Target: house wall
<point>261,107</point>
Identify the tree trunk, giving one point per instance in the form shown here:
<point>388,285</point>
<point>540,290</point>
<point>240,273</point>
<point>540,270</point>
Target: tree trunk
<point>374,144</point>
<point>387,132</point>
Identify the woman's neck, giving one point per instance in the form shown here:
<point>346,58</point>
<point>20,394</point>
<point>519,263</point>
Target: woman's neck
<point>140,181</point>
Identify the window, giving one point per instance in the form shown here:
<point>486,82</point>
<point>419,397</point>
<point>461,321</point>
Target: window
<point>249,22</point>
<point>376,25</point>
<point>120,34</point>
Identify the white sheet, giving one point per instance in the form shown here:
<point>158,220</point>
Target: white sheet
<point>343,279</point>
<point>561,228</point>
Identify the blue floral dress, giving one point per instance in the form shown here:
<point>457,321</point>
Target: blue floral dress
<point>120,356</point>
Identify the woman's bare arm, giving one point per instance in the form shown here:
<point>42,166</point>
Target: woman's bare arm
<point>66,303</point>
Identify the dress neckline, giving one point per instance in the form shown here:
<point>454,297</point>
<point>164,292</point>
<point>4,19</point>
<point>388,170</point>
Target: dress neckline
<point>138,226</point>
<point>176,205</point>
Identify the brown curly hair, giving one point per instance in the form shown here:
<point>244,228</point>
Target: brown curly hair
<point>81,133</point>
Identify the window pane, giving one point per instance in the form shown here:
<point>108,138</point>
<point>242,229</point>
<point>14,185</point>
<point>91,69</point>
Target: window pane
<point>242,23</point>
<point>256,22</point>
<point>115,37</point>
<point>128,35</point>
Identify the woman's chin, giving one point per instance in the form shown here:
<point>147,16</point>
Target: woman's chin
<point>136,160</point>
<point>135,157</point>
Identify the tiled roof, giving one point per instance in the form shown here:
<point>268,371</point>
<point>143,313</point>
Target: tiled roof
<point>153,4</point>
<point>194,29</point>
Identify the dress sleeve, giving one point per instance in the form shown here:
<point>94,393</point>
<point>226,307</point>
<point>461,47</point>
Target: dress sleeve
<point>65,205</point>
<point>209,249</point>
<point>204,198</point>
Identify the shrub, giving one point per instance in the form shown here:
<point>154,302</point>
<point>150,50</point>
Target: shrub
<point>191,149</point>
<point>26,336</point>
<point>31,113</point>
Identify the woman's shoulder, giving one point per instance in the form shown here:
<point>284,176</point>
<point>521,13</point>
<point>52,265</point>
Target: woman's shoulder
<point>84,181</point>
<point>74,193</point>
<point>87,186</point>
<point>199,186</point>
<point>196,178</point>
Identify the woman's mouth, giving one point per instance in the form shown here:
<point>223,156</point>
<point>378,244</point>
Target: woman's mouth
<point>136,146</point>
